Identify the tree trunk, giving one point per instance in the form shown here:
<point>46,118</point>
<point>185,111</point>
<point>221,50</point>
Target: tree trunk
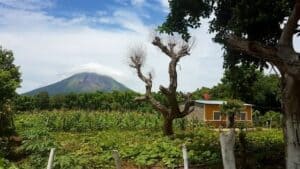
<point>7,127</point>
<point>243,149</point>
<point>168,126</point>
<point>230,121</point>
<point>291,107</point>
<point>227,140</point>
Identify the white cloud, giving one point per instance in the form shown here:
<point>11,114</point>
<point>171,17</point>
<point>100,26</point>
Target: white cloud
<point>49,48</point>
<point>27,4</point>
<point>98,68</point>
<point>165,5</point>
<point>137,2</point>
<point>34,21</point>
<point>125,19</point>
<point>106,20</point>
<point>130,21</point>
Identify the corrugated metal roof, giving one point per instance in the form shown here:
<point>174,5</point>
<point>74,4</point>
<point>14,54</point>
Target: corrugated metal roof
<point>218,102</point>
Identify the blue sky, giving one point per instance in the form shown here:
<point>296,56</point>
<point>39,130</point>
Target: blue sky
<point>98,13</point>
<point>150,11</point>
<point>53,39</point>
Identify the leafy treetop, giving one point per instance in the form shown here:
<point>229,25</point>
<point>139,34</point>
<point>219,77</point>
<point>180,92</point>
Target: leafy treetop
<point>258,20</point>
<point>9,76</point>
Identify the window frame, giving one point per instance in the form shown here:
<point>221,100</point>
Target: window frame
<point>240,117</point>
<point>220,119</point>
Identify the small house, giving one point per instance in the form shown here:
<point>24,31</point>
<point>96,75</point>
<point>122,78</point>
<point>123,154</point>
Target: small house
<point>209,112</point>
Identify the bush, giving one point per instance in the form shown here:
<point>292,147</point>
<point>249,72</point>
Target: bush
<point>271,118</point>
<point>5,164</point>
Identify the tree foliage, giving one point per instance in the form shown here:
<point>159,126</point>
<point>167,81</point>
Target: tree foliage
<point>253,86</point>
<point>231,108</point>
<point>102,101</point>
<point>259,20</point>
<point>9,82</point>
<point>263,90</point>
<point>42,100</point>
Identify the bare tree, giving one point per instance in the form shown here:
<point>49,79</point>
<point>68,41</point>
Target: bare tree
<point>287,61</point>
<point>175,50</point>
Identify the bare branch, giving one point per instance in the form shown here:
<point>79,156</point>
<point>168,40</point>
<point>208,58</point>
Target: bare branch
<point>157,42</point>
<point>171,45</point>
<point>185,48</point>
<point>137,59</point>
<point>158,106</point>
<point>188,105</point>
<point>141,98</point>
<point>164,90</point>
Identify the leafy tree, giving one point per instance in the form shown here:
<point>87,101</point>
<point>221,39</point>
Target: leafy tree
<point>252,86</point>
<point>273,119</point>
<point>264,91</point>
<point>240,81</point>
<point>9,82</point>
<point>57,101</point>
<point>24,103</point>
<point>71,101</point>
<point>255,117</point>
<point>220,91</point>
<point>175,50</point>
<point>231,108</point>
<point>253,32</point>
<point>200,93</point>
<point>42,100</point>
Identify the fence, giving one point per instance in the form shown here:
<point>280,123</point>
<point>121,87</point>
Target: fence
<point>117,158</point>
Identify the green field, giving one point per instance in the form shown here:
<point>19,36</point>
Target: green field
<point>86,139</point>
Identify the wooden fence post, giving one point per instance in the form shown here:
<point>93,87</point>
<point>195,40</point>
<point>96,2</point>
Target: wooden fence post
<point>116,156</point>
<point>185,157</point>
<point>51,158</point>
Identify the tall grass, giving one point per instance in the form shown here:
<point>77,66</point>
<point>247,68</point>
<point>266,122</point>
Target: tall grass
<point>83,121</point>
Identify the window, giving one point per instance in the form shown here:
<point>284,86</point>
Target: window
<point>242,116</point>
<point>217,115</point>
